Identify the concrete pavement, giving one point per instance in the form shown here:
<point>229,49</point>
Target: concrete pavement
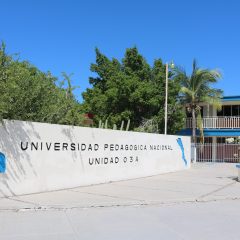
<point>200,203</point>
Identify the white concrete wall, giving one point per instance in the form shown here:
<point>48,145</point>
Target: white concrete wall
<point>46,169</point>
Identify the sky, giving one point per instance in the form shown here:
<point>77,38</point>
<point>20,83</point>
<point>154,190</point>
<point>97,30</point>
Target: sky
<point>61,35</point>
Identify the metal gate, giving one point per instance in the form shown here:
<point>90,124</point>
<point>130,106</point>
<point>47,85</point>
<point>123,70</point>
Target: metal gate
<point>220,152</point>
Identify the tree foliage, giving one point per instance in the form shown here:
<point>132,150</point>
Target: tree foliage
<point>131,89</point>
<point>197,88</point>
<point>26,93</point>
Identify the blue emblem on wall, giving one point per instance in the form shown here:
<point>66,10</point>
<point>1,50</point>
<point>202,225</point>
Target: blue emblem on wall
<point>2,163</point>
<point>179,141</point>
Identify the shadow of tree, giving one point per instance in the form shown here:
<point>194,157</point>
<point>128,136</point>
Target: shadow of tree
<point>68,133</point>
<point>19,165</point>
<point>12,132</point>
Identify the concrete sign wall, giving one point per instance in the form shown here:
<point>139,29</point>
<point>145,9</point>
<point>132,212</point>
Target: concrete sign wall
<point>37,157</point>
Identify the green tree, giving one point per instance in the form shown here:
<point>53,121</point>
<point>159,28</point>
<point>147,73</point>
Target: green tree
<point>131,89</point>
<point>197,88</point>
<point>26,93</point>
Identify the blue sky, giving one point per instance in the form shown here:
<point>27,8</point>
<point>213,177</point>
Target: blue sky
<point>62,35</point>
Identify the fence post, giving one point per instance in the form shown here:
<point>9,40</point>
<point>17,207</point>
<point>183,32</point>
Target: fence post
<point>193,153</point>
<point>214,149</point>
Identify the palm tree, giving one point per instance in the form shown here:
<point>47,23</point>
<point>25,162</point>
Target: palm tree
<point>196,88</point>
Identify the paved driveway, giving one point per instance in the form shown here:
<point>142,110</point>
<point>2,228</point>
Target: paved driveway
<point>201,203</point>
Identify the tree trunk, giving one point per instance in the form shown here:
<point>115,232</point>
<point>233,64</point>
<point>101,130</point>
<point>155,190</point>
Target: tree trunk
<point>194,126</point>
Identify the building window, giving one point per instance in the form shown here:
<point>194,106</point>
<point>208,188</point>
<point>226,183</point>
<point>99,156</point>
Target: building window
<point>189,114</point>
<point>206,140</point>
<point>221,140</point>
<point>220,113</point>
<point>229,110</point>
<point>235,110</point>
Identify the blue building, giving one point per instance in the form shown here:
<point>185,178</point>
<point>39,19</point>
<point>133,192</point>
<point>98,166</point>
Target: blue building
<point>220,129</point>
